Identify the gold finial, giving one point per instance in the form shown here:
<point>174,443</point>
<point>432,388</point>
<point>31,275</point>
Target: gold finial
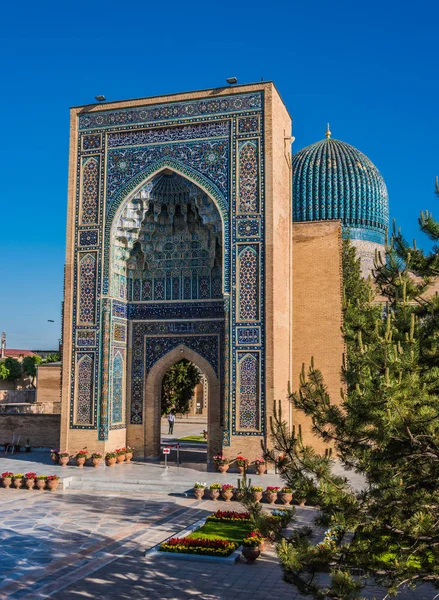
<point>328,131</point>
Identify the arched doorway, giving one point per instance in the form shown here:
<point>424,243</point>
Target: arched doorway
<point>152,405</point>
<point>167,269</point>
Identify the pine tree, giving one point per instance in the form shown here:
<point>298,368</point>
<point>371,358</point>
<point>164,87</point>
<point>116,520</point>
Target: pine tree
<point>385,427</point>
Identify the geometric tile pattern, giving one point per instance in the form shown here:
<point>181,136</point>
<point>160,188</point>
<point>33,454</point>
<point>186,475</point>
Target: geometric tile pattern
<point>248,228</point>
<point>248,283</point>
<point>120,333</point>
<point>248,369</point>
<point>248,125</point>
<point>91,142</point>
<point>85,337</point>
<point>84,394</point>
<point>88,238</point>
<point>248,178</point>
<point>90,191</point>
<point>87,287</point>
<point>117,387</point>
<point>248,336</point>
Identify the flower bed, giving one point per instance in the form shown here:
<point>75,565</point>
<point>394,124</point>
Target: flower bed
<point>229,515</point>
<point>202,546</point>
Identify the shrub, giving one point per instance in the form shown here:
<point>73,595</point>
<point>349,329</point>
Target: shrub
<point>241,461</point>
<point>96,455</point>
<point>110,455</point>
<point>81,454</point>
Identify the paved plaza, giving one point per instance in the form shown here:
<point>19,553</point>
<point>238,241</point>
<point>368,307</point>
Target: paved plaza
<point>75,544</point>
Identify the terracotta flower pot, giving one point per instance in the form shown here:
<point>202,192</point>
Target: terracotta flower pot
<point>128,456</point>
<point>110,462</point>
<point>41,484</point>
<point>250,553</point>
<point>198,493</point>
<point>7,481</point>
<point>241,470</point>
<point>80,461</point>
<point>257,496</point>
<point>120,458</point>
<point>260,469</point>
<point>223,468</point>
<point>55,457</point>
<point>96,462</point>
<point>63,460</point>
<point>301,501</point>
<point>239,494</point>
<point>271,497</point>
<point>29,483</point>
<point>214,494</point>
<point>52,484</point>
<point>286,498</point>
<point>227,495</point>
<point>18,483</point>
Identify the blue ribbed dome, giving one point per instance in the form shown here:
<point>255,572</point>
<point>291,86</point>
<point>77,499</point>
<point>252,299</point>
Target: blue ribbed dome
<point>333,180</point>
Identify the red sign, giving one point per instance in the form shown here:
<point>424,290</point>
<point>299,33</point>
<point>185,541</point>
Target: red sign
<point>166,450</point>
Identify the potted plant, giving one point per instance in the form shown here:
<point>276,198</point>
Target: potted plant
<point>271,493</point>
<point>286,495</point>
<point>29,480</point>
<point>110,459</point>
<point>129,453</point>
<point>81,457</point>
<point>222,463</point>
<point>41,482</point>
<point>64,458</point>
<point>120,454</point>
<point>241,463</point>
<point>52,482</point>
<point>214,490</point>
<point>259,465</point>
<point>251,546</point>
<point>54,454</point>
<point>18,480</point>
<point>227,491</point>
<point>96,458</point>
<point>256,491</point>
<point>199,488</point>
<point>7,479</point>
<point>302,489</point>
<point>27,446</point>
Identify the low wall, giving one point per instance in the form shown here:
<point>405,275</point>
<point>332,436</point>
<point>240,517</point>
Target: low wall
<point>7,396</point>
<point>41,430</point>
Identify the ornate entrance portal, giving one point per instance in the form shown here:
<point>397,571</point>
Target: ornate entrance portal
<point>179,246</point>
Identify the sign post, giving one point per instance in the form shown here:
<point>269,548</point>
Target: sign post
<point>166,451</point>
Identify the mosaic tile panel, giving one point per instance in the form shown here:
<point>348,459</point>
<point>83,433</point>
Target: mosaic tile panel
<point>87,288</point>
<point>169,134</point>
<point>85,337</point>
<point>92,142</point>
<point>248,288</point>
<point>90,191</point>
<point>248,125</point>
<point>248,178</point>
<point>120,333</point>
<point>117,387</point>
<point>172,111</point>
<point>88,238</point>
<point>176,310</point>
<point>84,392</point>
<point>248,228</point>
<point>248,390</point>
<point>248,336</point>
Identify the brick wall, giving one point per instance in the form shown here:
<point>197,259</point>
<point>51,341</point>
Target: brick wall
<point>317,310</point>
<point>41,430</point>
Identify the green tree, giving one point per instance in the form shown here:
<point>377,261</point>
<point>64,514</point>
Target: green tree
<point>4,371</point>
<point>178,386</point>
<point>385,426</point>
<point>29,366</point>
<point>54,357</point>
<point>14,368</point>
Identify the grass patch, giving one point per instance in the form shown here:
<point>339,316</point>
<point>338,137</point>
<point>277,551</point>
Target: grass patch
<point>198,439</point>
<point>223,530</point>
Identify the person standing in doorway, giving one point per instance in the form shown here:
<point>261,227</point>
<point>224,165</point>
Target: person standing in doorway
<point>171,421</point>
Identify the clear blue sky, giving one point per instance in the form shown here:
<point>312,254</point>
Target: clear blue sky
<point>371,69</point>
